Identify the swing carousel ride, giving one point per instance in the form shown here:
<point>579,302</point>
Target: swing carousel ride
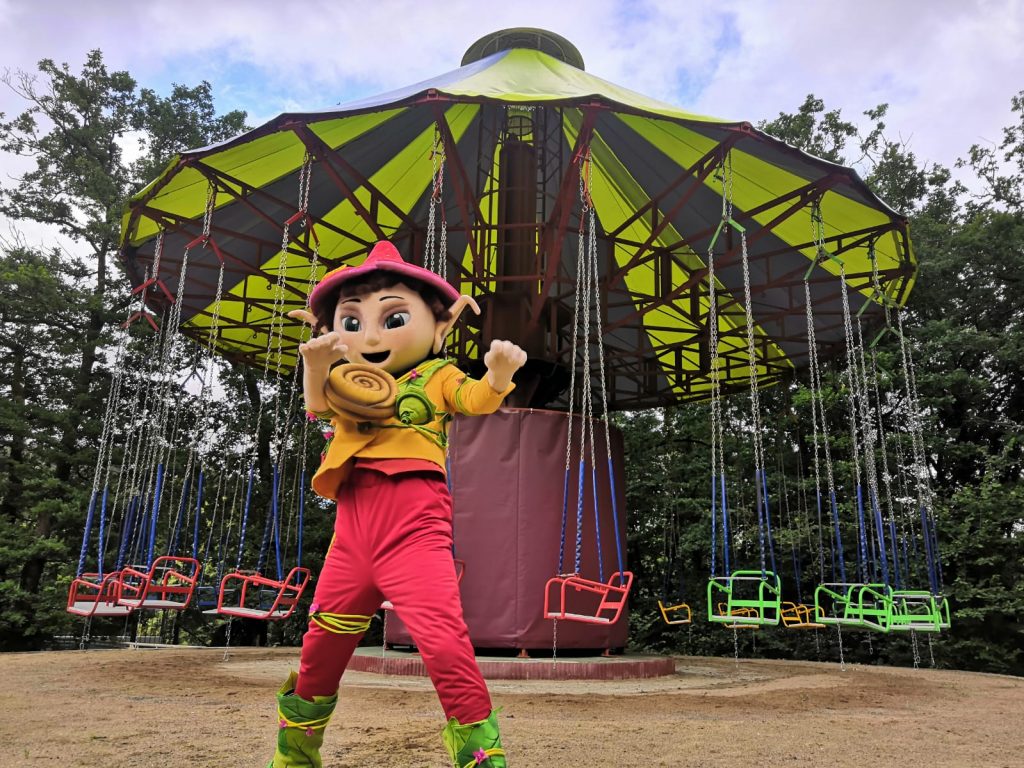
<point>643,256</point>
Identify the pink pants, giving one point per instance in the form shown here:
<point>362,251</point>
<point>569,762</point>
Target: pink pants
<point>393,541</point>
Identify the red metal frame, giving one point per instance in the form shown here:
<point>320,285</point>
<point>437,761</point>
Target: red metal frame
<point>289,590</point>
<point>168,584</point>
<point>613,597</point>
<point>92,596</point>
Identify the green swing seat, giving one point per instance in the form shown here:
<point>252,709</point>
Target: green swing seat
<point>745,598</point>
<point>854,605</point>
<point>918,611</point>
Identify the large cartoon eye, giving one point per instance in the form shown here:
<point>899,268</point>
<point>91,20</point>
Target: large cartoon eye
<point>397,320</point>
<point>350,324</point>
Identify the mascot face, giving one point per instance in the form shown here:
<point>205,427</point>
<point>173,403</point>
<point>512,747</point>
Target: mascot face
<point>392,329</point>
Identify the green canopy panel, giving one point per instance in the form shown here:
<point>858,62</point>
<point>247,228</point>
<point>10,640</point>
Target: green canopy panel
<point>515,127</point>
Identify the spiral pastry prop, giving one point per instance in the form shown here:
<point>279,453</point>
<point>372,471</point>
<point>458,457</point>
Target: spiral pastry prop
<point>361,392</point>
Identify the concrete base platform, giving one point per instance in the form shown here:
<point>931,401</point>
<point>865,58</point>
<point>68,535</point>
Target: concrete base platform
<point>505,668</point>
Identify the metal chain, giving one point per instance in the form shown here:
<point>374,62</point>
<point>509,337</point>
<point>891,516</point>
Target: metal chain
<point>554,644</point>
<point>717,434</point>
<point>916,428</point>
<point>854,427</point>
<point>755,400</point>
<point>917,652</point>
<point>867,421</point>
<point>599,334</point>
<point>164,438</point>
<point>211,201</point>
<point>198,424</point>
<point>132,418</point>
<point>586,397</point>
<point>436,258</point>
<point>572,360</point>
<point>882,441</point>
<point>866,413</point>
<point>104,456</point>
<point>158,250</point>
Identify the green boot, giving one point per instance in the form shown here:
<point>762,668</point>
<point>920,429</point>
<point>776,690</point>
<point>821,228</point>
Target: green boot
<point>474,744</point>
<point>301,726</point>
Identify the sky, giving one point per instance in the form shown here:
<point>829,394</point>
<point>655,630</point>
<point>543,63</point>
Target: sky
<point>947,68</point>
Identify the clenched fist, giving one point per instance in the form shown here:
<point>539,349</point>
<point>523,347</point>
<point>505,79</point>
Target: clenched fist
<point>502,360</point>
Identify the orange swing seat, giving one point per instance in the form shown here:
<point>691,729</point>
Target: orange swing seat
<point>168,584</point>
<point>92,596</point>
<point>274,600</point>
<point>612,597</point>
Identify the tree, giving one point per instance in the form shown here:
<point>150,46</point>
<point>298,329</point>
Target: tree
<point>73,131</point>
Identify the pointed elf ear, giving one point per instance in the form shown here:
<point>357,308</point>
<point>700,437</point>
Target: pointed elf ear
<point>305,316</point>
<point>445,327</point>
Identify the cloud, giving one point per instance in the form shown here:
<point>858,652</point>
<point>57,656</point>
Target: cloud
<point>947,67</point>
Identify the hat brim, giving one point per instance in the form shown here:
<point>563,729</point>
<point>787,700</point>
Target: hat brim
<point>448,294</point>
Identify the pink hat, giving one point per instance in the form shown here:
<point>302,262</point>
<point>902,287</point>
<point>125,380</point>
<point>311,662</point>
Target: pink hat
<point>384,256</point>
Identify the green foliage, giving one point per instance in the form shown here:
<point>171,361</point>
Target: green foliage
<point>825,136</point>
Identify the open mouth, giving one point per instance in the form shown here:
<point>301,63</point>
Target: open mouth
<point>376,357</point>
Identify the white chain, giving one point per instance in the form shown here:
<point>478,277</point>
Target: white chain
<point>717,451</point>
<point>755,400</point>
<point>436,258</point>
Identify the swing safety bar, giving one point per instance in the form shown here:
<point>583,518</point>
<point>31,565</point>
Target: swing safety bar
<point>854,605</point>
<point>167,585</point>
<point>675,614</point>
<point>243,584</point>
<point>799,616</point>
<point>918,611</point>
<point>613,597</point>
<point>92,596</point>
<point>741,607</point>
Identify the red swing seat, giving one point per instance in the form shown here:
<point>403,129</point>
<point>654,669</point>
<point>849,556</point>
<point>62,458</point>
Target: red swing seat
<point>167,585</point>
<point>613,597</point>
<point>460,571</point>
<point>92,596</point>
<point>240,585</point>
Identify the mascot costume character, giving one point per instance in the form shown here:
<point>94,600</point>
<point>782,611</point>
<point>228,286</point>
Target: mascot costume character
<point>376,368</point>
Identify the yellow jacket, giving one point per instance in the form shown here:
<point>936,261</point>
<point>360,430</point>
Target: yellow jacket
<point>450,391</point>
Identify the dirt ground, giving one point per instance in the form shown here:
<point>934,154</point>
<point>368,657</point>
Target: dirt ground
<point>178,708</point>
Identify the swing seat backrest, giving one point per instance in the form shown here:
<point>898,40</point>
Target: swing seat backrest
<point>610,597</point>
<point>167,585</point>
<point>90,595</point>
